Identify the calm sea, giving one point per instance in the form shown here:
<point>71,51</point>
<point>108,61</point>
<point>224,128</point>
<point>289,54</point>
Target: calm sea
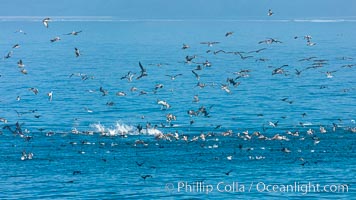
<point>87,145</point>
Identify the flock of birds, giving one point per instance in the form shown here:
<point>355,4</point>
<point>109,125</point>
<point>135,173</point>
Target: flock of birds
<point>203,111</point>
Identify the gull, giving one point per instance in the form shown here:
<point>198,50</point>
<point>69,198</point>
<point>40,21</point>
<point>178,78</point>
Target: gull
<point>77,52</point>
<point>34,90</point>
<point>18,98</point>
<point>269,41</point>
<point>20,64</point>
<point>185,46</point>
<point>196,75</point>
<point>120,93</point>
<point>228,34</point>
<point>225,88</point>
<point>50,96</point>
<point>279,70</point>
<point>273,124</point>
<point>73,33</point>
<point>102,90</point>
<point>146,176</point>
<point>143,71</point>
<point>270,13</point>
<point>158,86</point>
<point>24,71</point>
<point>45,21</point>
<point>218,51</point>
<point>210,44</point>
<point>329,74</point>
<point>188,59</point>
<point>286,100</point>
<point>16,46</point>
<point>128,76</point>
<point>55,39</point>
<point>233,82</point>
<point>164,104</point>
<point>257,51</point>
<point>173,77</point>
<point>297,72</point>
<point>242,56</point>
<point>8,55</point>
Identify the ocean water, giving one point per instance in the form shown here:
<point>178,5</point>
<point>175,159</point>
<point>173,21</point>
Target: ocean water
<point>86,145</point>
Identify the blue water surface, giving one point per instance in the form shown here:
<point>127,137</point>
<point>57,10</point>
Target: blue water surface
<point>74,158</point>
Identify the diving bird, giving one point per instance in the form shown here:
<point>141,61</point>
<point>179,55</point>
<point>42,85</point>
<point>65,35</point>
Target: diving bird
<point>228,34</point>
<point>270,13</point>
<point>143,71</point>
<point>77,52</point>
<point>45,21</point>
<point>20,64</point>
<point>50,96</point>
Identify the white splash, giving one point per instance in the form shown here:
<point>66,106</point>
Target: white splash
<point>122,129</point>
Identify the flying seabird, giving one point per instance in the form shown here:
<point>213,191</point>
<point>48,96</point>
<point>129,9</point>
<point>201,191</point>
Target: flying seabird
<point>102,90</point>
<point>16,46</point>
<point>164,104</point>
<point>228,33</point>
<point>73,33</point>
<point>8,55</point>
<point>270,13</point>
<point>128,76</point>
<point>196,75</point>
<point>20,64</point>
<point>225,88</point>
<point>210,44</point>
<point>45,21</point>
<point>55,39</point>
<point>34,90</point>
<point>173,77</point>
<point>185,46</point>
<point>50,96</point>
<point>143,71</point>
<point>77,52</point>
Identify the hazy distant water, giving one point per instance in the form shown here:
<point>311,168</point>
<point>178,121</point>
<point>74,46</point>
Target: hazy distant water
<point>111,49</point>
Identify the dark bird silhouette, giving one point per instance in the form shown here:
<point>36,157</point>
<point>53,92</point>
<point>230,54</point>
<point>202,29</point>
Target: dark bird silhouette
<point>140,164</point>
<point>77,52</point>
<point>143,71</point>
<point>146,176</point>
<point>73,33</point>
<point>228,172</point>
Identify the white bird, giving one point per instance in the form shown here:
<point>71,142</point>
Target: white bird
<point>164,104</point>
<point>45,21</point>
<point>50,96</point>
